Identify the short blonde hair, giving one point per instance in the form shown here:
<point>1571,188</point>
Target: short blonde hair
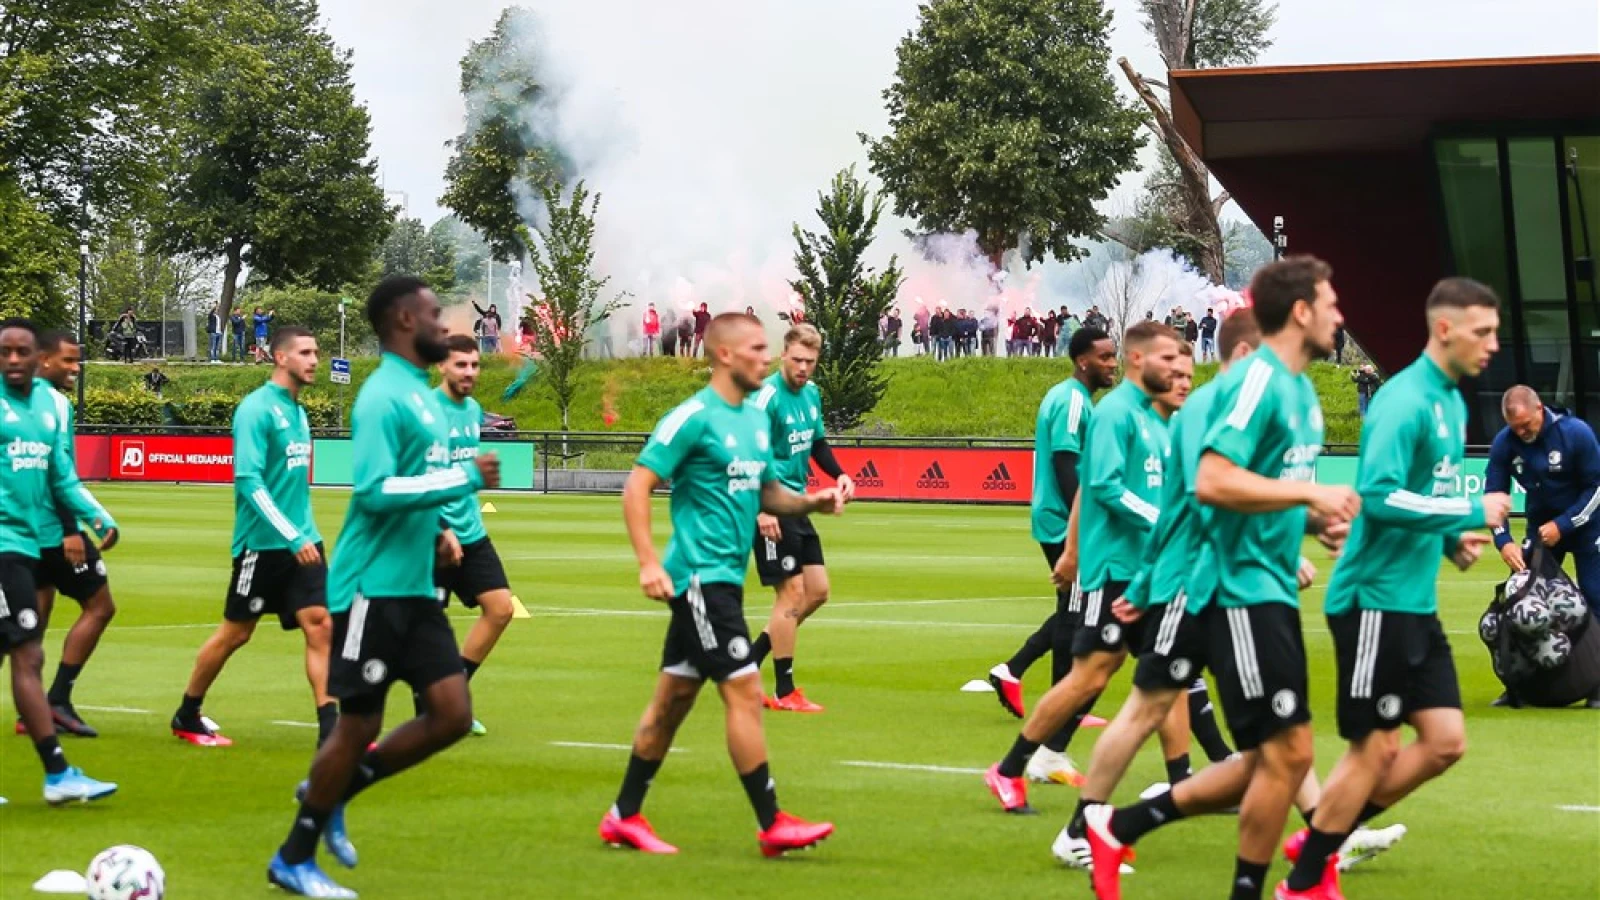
<point>805,335</point>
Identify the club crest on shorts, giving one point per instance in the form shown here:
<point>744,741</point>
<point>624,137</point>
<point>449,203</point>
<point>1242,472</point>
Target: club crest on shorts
<point>1389,706</point>
<point>788,564</point>
<point>100,567</point>
<point>1284,703</point>
<point>257,604</point>
<point>1111,633</point>
<point>373,670</point>
<point>1180,669</point>
<point>739,648</point>
<point>26,619</point>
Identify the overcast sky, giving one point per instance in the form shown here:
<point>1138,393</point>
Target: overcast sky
<point>710,125</point>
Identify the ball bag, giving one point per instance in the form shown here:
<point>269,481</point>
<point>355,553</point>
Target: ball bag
<point>1527,683</point>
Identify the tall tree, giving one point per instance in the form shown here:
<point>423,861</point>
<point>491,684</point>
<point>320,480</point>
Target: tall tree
<point>845,299</point>
<point>35,254</point>
<point>562,253</point>
<point>1197,34</point>
<point>411,249</point>
<point>1004,120</point>
<point>507,148</point>
<point>272,169</point>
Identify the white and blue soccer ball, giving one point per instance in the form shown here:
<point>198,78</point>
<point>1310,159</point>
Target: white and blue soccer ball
<point>1552,651</point>
<point>1489,627</point>
<point>1517,582</point>
<point>1568,611</point>
<point>126,872</point>
<point>1531,618</point>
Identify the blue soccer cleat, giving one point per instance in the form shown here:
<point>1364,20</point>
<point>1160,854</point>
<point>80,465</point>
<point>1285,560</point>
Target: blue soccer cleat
<point>334,836</point>
<point>72,786</point>
<point>305,879</point>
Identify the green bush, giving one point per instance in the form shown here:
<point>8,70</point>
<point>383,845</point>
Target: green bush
<point>120,406</point>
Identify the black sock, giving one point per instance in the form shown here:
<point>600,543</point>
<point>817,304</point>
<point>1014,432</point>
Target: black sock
<point>1308,815</point>
<point>763,794</point>
<point>1075,825</point>
<point>783,667</point>
<point>1131,824</point>
<point>61,689</point>
<point>1059,741</point>
<point>1249,879</point>
<point>1307,872</point>
<point>368,773</point>
<point>327,717</point>
<point>1369,812</point>
<point>189,709</point>
<point>1017,757</point>
<point>1203,723</point>
<point>470,666</point>
<point>635,783</point>
<point>418,706</point>
<point>301,844</point>
<point>49,749</point>
<point>759,648</point>
<point>1177,769</point>
<point>1032,649</point>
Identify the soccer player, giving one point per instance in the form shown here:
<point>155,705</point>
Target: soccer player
<point>1124,456</point>
<point>278,562</point>
<point>1058,434</point>
<point>1256,470</point>
<point>715,450</point>
<point>1383,606</point>
<point>37,477</point>
<point>788,550</point>
<point>475,573</point>
<point>1167,403</point>
<point>387,622</point>
<point>69,562</point>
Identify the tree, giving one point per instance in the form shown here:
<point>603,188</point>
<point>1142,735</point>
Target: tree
<point>35,257</point>
<point>507,145</point>
<point>1196,34</point>
<point>271,170</point>
<point>413,250</point>
<point>1004,121</point>
<point>845,300</point>
<point>1246,250</point>
<point>467,249</point>
<point>562,255</point>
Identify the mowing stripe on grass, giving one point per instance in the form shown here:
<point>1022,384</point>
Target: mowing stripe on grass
<point>908,767</point>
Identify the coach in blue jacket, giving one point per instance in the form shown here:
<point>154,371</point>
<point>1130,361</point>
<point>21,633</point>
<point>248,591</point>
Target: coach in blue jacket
<point>1553,455</point>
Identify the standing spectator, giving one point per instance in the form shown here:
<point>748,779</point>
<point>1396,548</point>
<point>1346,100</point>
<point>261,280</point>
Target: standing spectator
<point>969,334</point>
<point>944,333</point>
<point>1367,381</point>
<point>1048,332</point>
<point>1338,345</point>
<point>1069,327</point>
<point>686,334</point>
<point>1208,336</point>
<point>214,334</point>
<point>988,324</point>
<point>1191,330</point>
<point>751,312</point>
<point>702,319</point>
<point>263,323</point>
<point>669,332</point>
<point>891,332</point>
<point>236,322</point>
<point>488,327</point>
<point>652,329</point>
<point>919,329</point>
<point>123,334</point>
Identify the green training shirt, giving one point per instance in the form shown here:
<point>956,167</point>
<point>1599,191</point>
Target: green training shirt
<point>403,479</point>
<point>1413,504</point>
<point>272,473</point>
<point>717,456</point>
<point>36,473</point>
<point>66,418</point>
<point>1062,424</point>
<point>1171,558</point>
<point>1121,473</point>
<point>463,515</point>
<point>796,423</point>
<point>1267,421</point>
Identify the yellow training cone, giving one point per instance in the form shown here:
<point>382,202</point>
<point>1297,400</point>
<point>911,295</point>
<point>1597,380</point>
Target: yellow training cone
<point>489,507</point>
<point>518,611</point>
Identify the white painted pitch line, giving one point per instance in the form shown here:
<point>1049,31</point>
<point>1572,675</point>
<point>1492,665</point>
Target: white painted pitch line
<point>1580,809</point>
<point>585,745</point>
<point>116,709</point>
<point>287,723</point>
<point>908,767</point>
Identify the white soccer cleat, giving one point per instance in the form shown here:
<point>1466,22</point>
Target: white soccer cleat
<point>1050,767</point>
<point>1154,790</point>
<point>1074,853</point>
<point>1366,843</point>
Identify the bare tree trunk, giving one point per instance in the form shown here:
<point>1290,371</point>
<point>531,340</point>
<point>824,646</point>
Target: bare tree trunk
<point>1200,215</point>
<point>230,280</point>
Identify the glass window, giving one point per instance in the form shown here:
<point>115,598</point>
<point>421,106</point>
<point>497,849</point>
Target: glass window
<point>1582,179</point>
<point>1541,266</point>
<point>1469,178</point>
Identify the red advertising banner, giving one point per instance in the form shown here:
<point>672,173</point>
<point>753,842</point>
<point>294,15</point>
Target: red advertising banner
<point>956,474</point>
<point>171,458</point>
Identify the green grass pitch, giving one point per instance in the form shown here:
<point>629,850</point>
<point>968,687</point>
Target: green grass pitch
<point>925,598</point>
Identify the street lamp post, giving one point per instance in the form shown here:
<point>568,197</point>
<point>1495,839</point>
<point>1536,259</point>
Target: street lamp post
<point>83,277</point>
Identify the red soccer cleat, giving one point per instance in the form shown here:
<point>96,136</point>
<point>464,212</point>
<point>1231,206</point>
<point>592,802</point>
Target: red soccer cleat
<point>1011,792</point>
<point>794,701</point>
<point>789,833</point>
<point>1093,722</point>
<point>1008,688</point>
<point>201,733</point>
<point>1106,852</point>
<point>634,831</point>
<point>1292,846</point>
<point>1327,889</point>
<point>21,728</point>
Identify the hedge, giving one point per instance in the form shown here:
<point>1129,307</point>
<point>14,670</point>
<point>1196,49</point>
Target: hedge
<point>206,409</point>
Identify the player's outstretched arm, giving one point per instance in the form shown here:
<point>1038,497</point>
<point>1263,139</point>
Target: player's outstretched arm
<point>1222,483</point>
<point>779,501</point>
<point>379,489</point>
<point>1391,442</point>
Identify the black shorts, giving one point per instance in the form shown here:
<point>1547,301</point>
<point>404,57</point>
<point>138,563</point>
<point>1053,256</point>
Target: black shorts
<point>378,642</point>
<point>1390,665</point>
<point>797,546</point>
<point>1100,631</point>
<point>20,622</point>
<point>708,637</point>
<point>1174,650</point>
<point>1259,657</point>
<point>480,572</point>
<point>78,582</point>
<point>1069,603</point>
<point>270,581</point>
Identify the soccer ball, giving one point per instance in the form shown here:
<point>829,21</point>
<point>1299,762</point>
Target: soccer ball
<point>1489,628</point>
<point>126,872</point>
<point>1531,617</point>
<point>1517,581</point>
<point>1568,612</point>
<point>1513,667</point>
<point>1552,651</point>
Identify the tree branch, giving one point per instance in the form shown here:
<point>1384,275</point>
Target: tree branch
<point>1220,201</point>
